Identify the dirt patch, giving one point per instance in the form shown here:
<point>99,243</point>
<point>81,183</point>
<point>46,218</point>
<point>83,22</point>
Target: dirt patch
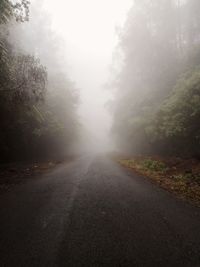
<point>176,175</point>
<point>16,173</point>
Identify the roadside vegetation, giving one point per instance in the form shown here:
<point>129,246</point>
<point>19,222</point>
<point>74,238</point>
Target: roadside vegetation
<point>156,103</point>
<point>156,106</point>
<point>37,99</point>
<point>174,174</point>
<point>12,174</point>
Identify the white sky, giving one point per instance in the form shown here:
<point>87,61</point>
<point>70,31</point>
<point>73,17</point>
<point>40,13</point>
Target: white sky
<point>89,30</point>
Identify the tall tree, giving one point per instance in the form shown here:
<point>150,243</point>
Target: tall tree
<point>157,49</point>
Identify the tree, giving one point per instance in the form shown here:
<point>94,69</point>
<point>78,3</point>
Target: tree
<point>37,108</point>
<point>6,11</point>
<point>160,43</point>
<point>176,125</point>
<point>28,79</point>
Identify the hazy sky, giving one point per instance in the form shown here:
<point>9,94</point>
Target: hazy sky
<point>89,30</point>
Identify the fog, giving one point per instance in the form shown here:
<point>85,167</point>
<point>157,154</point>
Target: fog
<point>100,75</point>
<point>89,31</point>
<point>78,39</point>
<point>97,97</point>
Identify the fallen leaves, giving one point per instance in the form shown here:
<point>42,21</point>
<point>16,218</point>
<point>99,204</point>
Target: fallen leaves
<point>181,177</point>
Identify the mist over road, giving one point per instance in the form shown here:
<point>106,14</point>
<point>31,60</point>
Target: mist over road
<point>93,213</point>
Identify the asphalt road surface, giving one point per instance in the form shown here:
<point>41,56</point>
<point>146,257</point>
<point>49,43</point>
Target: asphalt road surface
<point>94,213</point>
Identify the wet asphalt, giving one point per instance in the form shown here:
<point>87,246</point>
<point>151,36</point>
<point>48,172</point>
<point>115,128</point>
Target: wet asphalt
<point>93,213</point>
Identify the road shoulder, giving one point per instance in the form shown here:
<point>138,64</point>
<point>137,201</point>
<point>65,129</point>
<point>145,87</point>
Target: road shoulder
<point>180,177</point>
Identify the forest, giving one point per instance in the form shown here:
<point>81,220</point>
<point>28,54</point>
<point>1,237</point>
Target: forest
<point>156,104</point>
<point>38,101</point>
<point>100,133</point>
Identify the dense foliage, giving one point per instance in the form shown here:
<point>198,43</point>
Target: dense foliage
<point>37,107</point>
<point>158,90</point>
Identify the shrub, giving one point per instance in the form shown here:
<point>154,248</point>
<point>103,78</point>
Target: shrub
<point>154,165</point>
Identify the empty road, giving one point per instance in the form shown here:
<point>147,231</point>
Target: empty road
<point>93,213</point>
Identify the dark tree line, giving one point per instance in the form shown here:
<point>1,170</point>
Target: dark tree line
<point>157,107</point>
<point>37,109</point>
